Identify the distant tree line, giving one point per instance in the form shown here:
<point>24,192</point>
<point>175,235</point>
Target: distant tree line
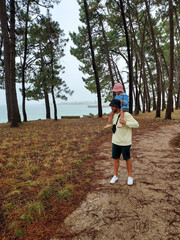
<point>31,47</point>
<point>146,35</point>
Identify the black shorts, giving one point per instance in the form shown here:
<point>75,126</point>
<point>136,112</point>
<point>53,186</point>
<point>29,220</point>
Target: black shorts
<point>117,150</point>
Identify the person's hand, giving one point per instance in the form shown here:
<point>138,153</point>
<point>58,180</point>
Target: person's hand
<point>122,121</point>
<point>105,117</point>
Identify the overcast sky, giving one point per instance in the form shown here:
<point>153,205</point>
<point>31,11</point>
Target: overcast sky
<point>67,14</point>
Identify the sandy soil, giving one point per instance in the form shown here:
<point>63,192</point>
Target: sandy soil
<point>148,210</point>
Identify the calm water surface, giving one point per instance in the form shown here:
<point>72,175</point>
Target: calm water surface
<point>37,111</point>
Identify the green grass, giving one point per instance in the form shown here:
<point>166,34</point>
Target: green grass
<point>89,172</point>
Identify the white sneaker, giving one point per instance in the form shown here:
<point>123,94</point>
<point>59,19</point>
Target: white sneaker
<point>130,181</point>
<point>114,179</point>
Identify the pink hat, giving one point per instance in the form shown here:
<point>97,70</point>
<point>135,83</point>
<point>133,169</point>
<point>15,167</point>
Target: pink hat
<point>118,88</point>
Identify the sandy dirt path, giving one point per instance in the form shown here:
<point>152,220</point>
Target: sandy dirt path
<point>148,210</point>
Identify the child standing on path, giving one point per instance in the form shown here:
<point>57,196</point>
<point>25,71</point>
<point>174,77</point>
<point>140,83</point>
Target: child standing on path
<point>124,100</point>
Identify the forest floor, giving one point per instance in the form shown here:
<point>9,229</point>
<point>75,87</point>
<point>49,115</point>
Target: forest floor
<point>150,209</point>
<point>54,181</point>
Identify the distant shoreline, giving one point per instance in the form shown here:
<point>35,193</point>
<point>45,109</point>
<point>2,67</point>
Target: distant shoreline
<point>29,103</point>
<point>95,106</point>
<point>37,110</point>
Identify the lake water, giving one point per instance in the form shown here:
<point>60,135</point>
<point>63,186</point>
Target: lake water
<point>37,111</point>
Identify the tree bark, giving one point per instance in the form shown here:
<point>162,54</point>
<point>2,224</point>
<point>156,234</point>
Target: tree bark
<point>129,58</point>
<point>148,100</point>
<point>158,108</point>
<point>163,95</point>
<point>1,46</point>
<point>106,48</point>
<point>6,42</point>
<point>136,85</point>
<point>48,113</point>
<point>140,94</point>
<point>93,60</point>
<point>54,103</point>
<point>171,72</point>
<point>144,93</point>
<point>152,85</point>
<point>115,70</point>
<point>177,53</point>
<point>120,77</point>
<point>140,50</point>
<point>46,96</point>
<point>15,116</point>
<point>24,64</point>
<point>178,81</point>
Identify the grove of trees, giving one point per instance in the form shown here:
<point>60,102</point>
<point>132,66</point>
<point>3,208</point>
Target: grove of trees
<point>32,45</point>
<point>146,35</point>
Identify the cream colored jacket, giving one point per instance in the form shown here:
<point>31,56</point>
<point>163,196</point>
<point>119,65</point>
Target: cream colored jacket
<point>123,135</point>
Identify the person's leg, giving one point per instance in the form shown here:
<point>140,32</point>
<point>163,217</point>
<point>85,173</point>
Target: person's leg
<point>116,153</point>
<point>119,125</point>
<point>110,120</point>
<point>127,156</point>
<point>129,166</point>
<point>116,166</point>
<point>129,169</point>
<point>111,115</point>
<point>122,114</point>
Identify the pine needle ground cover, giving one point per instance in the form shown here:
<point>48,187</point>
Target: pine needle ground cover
<point>46,168</point>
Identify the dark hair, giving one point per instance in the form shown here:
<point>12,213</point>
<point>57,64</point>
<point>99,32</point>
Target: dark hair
<point>115,103</point>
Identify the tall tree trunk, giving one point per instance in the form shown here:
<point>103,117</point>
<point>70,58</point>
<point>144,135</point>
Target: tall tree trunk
<point>177,53</point>
<point>6,42</point>
<point>136,86</point>
<point>170,90</point>
<point>52,86</point>
<point>163,94</point>
<point>15,115</point>
<point>165,63</point>
<point>1,46</point>
<point>93,60</point>
<point>140,50</point>
<point>115,70</point>
<point>172,104</point>
<point>148,99</point>
<point>141,53</point>
<point>144,97</point>
<point>24,64</point>
<point>178,81</point>
<point>120,77</point>
<point>152,85</point>
<point>48,113</point>
<point>106,48</point>
<point>146,92</point>
<point>162,85</point>
<point>46,96</point>
<point>137,101</point>
<point>129,58</point>
<point>140,94</point>
<point>54,103</point>
<point>158,108</point>
<point>145,83</point>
